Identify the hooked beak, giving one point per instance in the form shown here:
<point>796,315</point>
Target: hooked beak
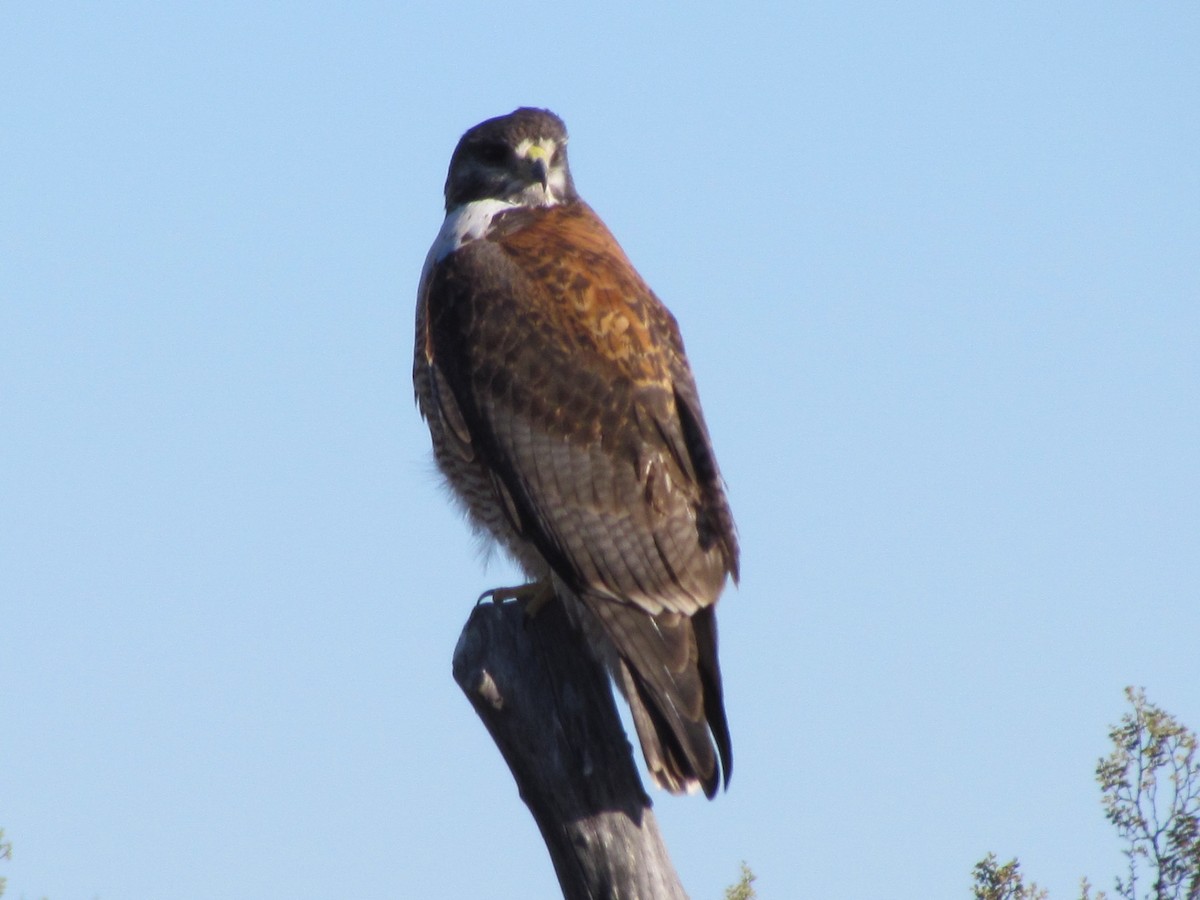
<point>539,165</point>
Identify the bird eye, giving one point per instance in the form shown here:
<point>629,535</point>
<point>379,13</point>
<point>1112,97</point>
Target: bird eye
<point>492,153</point>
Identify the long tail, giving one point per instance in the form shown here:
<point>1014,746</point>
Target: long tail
<point>669,673</point>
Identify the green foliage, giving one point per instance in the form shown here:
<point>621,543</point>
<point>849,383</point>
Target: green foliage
<point>1003,882</point>
<point>744,889</point>
<point>1085,891</point>
<point>5,853</point>
<point>1150,789</point>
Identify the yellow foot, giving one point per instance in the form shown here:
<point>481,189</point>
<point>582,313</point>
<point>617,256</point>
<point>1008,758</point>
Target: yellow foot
<point>532,596</point>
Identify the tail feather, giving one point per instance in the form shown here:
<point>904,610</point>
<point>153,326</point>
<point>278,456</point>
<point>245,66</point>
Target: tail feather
<point>705,625</point>
<point>669,674</point>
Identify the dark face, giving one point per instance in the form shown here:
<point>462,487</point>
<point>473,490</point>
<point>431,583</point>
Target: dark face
<point>520,158</point>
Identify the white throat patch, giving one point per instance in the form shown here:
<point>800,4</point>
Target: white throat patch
<point>463,224</point>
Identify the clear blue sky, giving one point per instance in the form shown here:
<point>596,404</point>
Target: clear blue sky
<point>938,269</point>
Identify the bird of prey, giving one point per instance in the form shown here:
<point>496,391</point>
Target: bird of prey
<point>565,418</point>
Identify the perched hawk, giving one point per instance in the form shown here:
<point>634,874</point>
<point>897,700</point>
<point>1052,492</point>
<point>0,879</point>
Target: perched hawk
<point>565,418</point>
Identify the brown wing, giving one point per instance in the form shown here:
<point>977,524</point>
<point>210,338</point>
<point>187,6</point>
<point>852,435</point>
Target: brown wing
<point>569,377</point>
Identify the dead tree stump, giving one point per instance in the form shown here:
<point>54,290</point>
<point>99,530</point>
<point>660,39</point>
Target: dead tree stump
<point>548,706</point>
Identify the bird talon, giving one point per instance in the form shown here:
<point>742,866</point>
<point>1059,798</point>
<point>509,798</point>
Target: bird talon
<point>532,596</point>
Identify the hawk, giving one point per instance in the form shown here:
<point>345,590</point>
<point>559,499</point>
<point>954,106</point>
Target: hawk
<point>564,416</point>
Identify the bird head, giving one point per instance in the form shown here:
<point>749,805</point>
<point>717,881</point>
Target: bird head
<point>519,158</point>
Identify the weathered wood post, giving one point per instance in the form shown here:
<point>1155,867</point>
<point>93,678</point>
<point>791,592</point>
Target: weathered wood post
<point>548,706</point>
